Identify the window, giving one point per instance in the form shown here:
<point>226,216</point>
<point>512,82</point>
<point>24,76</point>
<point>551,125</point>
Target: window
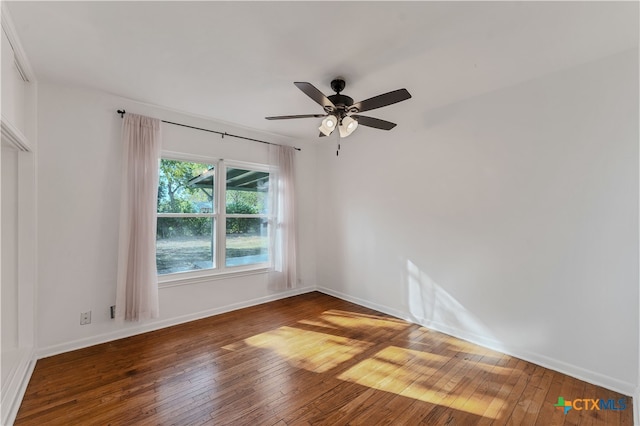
<point>246,196</point>
<point>206,205</point>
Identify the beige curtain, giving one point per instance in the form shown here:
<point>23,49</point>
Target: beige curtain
<point>283,229</point>
<point>137,286</point>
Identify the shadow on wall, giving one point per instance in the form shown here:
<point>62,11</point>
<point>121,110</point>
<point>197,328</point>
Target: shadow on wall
<point>432,306</point>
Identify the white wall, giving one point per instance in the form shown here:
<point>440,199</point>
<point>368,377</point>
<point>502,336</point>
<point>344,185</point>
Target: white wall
<point>78,193</point>
<point>510,219</point>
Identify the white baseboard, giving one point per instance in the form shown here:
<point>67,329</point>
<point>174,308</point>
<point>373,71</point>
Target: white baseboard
<point>362,302</point>
<point>14,387</point>
<point>156,325</point>
<point>592,377</point>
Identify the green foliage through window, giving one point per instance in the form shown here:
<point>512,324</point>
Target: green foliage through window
<point>175,192</point>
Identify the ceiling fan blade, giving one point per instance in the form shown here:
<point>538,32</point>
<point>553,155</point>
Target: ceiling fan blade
<point>311,91</point>
<point>382,100</point>
<point>376,123</point>
<point>286,117</point>
<point>322,135</point>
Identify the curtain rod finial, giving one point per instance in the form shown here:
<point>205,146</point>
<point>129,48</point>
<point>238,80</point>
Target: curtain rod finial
<point>121,112</point>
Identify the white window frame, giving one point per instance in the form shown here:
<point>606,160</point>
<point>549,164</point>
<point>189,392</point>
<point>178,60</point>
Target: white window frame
<point>219,215</point>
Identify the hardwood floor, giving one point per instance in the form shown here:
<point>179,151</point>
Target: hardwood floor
<point>309,359</point>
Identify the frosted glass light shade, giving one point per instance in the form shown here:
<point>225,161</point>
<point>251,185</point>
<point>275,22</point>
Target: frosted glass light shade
<point>348,126</point>
<point>328,125</point>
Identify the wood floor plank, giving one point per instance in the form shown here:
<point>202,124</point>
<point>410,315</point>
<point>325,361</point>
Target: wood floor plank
<point>528,404</point>
<point>517,392</point>
<point>305,360</point>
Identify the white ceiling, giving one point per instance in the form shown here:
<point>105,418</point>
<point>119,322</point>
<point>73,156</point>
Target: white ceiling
<point>237,61</point>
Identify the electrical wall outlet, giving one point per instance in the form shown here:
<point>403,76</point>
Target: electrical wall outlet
<point>85,318</point>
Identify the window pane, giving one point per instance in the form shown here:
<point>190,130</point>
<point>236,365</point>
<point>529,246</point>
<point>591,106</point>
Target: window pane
<point>247,241</point>
<point>184,244</point>
<point>185,187</point>
<point>247,191</point>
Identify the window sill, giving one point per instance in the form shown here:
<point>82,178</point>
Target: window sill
<point>175,280</point>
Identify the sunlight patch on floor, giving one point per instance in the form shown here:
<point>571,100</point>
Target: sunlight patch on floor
<point>318,323</point>
<point>495,369</point>
<point>406,372</point>
<point>343,319</point>
<point>310,350</point>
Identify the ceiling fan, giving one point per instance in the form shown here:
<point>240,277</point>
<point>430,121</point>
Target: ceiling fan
<point>342,112</point>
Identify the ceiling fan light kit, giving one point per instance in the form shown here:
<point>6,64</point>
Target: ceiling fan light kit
<point>347,126</point>
<point>328,125</point>
<point>342,112</point>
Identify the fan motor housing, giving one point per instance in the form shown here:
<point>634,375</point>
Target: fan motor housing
<point>341,100</point>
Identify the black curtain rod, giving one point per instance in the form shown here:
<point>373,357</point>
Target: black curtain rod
<point>223,134</point>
